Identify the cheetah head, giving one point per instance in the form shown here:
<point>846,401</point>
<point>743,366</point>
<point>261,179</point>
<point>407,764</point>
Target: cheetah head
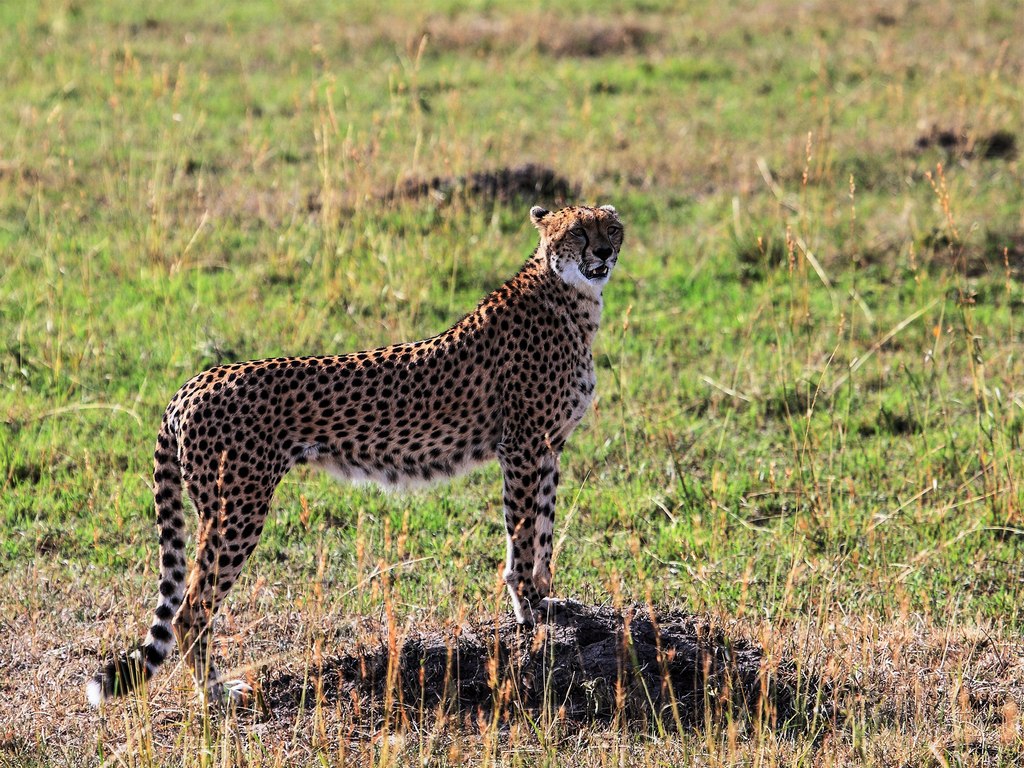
<point>582,244</point>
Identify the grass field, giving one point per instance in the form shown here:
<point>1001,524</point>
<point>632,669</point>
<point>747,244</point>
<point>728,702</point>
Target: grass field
<point>810,416</point>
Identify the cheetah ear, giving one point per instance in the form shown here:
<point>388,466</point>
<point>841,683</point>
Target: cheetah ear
<point>537,215</point>
<point>610,209</point>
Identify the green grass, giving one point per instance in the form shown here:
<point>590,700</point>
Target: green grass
<point>810,415</point>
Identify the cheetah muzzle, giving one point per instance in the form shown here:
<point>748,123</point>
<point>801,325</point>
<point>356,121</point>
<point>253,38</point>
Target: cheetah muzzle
<point>509,381</point>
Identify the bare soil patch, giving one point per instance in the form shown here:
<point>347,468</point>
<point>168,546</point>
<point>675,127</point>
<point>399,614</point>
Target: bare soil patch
<point>587,663</point>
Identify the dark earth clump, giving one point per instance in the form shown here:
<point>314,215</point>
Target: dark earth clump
<point>758,257</point>
<point>998,145</point>
<point>1001,253</point>
<point>890,422</point>
<point>943,138</point>
<point>788,403</point>
<point>529,181</point>
<point>586,664</point>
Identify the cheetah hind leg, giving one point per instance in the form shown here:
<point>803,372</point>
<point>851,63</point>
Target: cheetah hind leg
<point>221,551</point>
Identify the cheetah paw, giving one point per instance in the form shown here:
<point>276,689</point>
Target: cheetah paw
<point>228,694</point>
<point>237,693</point>
<point>549,609</point>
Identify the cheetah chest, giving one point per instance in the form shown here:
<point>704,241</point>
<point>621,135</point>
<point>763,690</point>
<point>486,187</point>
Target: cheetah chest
<point>585,386</point>
<point>579,396</point>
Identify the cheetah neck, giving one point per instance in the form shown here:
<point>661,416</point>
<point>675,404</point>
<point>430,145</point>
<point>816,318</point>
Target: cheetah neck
<point>580,299</point>
<point>540,289</point>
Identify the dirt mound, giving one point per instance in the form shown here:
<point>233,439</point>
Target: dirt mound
<point>998,145</point>
<point>529,182</point>
<point>551,35</point>
<point>586,664</point>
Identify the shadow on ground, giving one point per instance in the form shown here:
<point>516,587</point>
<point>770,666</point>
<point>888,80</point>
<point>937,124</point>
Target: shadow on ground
<point>585,663</point>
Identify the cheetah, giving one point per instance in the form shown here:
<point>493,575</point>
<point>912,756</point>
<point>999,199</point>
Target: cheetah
<point>510,380</point>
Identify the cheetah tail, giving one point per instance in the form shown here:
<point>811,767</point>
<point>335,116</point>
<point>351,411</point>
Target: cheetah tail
<point>127,670</point>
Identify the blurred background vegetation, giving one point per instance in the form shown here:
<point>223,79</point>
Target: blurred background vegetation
<point>810,408</point>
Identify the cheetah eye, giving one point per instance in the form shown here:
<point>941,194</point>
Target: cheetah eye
<point>613,230</point>
<point>577,232</point>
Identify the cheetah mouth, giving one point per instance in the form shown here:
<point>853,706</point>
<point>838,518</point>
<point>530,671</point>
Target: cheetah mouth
<point>597,272</point>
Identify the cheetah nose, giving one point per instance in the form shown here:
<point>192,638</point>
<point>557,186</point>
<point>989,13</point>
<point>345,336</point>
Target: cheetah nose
<point>603,252</point>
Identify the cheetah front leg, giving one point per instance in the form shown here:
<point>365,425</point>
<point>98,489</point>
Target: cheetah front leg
<point>529,479</point>
<point>543,533</point>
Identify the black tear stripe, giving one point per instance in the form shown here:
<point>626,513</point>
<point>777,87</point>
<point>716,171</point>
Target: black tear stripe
<point>583,258</point>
